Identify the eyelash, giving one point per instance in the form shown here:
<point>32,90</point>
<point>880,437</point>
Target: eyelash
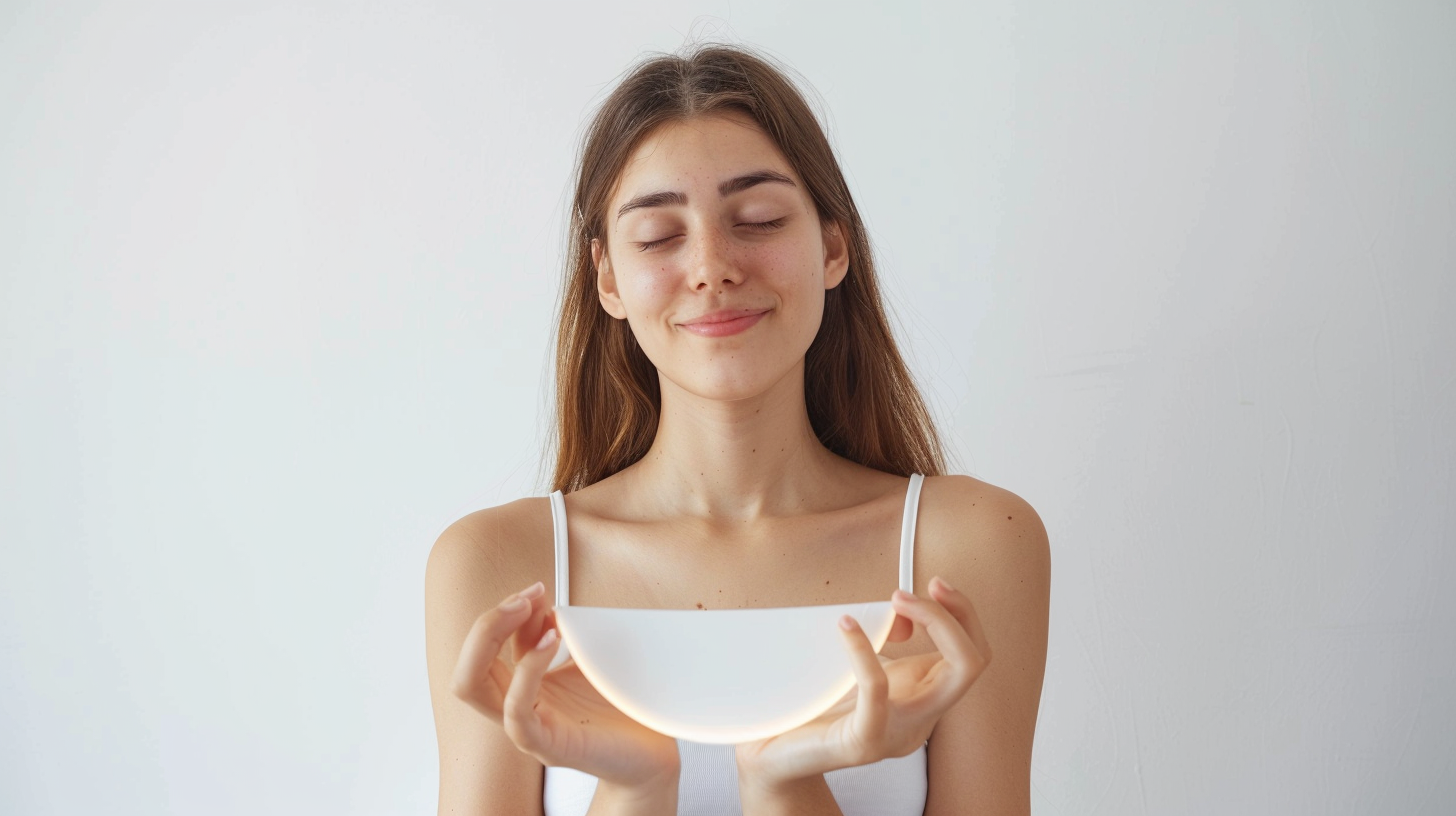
<point>760,225</point>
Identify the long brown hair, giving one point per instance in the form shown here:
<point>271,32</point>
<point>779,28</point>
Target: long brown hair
<point>861,399</point>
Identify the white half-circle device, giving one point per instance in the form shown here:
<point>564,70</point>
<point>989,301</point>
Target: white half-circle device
<point>721,676</point>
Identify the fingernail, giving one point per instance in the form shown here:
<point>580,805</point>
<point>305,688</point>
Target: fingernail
<point>944,584</point>
<point>533,590</point>
<point>514,604</point>
<point>902,595</point>
<point>546,640</point>
<point>847,623</point>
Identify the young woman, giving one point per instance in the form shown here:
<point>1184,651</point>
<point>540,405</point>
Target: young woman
<point>736,428</point>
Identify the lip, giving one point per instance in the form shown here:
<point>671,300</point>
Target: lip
<point>725,322</point>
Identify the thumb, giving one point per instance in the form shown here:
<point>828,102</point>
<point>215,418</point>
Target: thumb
<point>871,706</point>
<point>522,721</point>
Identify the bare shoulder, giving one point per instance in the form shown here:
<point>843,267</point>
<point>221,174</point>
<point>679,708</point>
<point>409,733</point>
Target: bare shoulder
<point>991,545</point>
<point>973,533</point>
<point>474,564</point>
<point>502,549</point>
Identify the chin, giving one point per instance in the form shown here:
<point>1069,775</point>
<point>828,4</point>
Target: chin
<point>728,386</point>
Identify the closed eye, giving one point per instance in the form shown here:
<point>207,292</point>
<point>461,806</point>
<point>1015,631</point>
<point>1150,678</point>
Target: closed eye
<point>757,226</point>
<point>644,246</point>
<point>765,226</point>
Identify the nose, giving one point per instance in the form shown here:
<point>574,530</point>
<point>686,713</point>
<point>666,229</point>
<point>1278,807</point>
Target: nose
<point>711,261</point>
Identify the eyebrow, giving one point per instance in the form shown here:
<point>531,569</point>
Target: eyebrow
<point>727,188</point>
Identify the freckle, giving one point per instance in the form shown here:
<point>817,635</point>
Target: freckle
<point>700,605</point>
<point>826,583</point>
<point>1008,518</point>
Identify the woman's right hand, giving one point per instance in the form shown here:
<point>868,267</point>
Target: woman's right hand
<point>558,718</point>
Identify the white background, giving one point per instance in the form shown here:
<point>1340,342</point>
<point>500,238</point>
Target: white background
<point>278,287</point>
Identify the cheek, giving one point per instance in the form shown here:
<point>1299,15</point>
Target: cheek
<point>645,288</point>
<point>789,265</point>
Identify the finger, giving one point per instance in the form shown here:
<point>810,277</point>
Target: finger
<point>964,661</point>
<point>523,724</point>
<point>871,709</point>
<point>536,623</point>
<point>961,608</point>
<point>480,678</point>
<point>901,629</point>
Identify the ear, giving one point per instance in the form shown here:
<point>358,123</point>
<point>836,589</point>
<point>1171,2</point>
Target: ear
<point>606,281</point>
<point>836,254</point>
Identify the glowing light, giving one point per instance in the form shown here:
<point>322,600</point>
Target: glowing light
<point>719,676</point>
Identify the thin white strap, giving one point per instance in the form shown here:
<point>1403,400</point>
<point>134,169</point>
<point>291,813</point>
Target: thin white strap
<point>558,527</point>
<point>907,533</point>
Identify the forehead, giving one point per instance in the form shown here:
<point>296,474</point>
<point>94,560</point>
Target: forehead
<point>696,154</point>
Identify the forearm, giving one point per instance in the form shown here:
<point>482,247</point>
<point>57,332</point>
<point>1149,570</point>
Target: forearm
<point>659,799</point>
<point>801,797</point>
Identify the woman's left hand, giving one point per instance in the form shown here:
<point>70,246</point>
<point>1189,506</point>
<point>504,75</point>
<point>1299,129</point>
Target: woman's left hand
<point>898,701</point>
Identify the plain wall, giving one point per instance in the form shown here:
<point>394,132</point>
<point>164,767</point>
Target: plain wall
<point>276,291</point>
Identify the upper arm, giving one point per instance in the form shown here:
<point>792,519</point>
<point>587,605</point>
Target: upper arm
<point>992,546</point>
<point>469,571</point>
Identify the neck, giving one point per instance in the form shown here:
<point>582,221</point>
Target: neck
<point>736,461</point>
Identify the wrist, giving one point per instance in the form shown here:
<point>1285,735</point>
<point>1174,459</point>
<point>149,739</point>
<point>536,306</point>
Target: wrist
<point>759,774</point>
<point>768,774</point>
<point>770,796</point>
<point>653,797</point>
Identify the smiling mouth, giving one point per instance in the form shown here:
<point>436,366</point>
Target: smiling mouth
<point>714,326</point>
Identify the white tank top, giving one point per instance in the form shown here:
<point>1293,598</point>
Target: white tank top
<point>708,784</point>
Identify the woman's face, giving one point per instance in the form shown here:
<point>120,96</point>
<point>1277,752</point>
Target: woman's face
<point>716,257</point>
